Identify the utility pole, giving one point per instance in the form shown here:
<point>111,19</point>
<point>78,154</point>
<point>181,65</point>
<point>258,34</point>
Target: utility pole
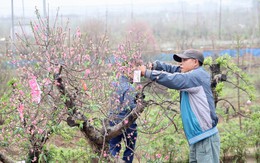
<point>12,40</point>
<point>132,12</point>
<point>182,16</point>
<point>23,8</point>
<point>219,27</point>
<point>257,19</point>
<point>106,18</point>
<point>44,8</point>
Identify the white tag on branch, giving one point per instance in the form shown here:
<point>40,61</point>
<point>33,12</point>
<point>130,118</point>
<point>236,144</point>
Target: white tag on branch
<point>137,76</point>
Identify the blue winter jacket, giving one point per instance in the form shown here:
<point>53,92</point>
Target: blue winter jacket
<point>197,102</point>
<point>123,99</point>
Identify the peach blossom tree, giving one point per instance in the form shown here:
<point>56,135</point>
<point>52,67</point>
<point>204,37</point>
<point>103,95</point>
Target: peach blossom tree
<point>64,76</point>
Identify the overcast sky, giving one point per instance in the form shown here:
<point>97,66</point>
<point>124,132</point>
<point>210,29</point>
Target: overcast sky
<point>27,7</point>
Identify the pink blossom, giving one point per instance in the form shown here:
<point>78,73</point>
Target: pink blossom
<point>49,69</point>
<point>124,57</point>
<point>21,92</point>
<point>14,62</point>
<point>40,131</point>
<point>34,122</point>
<point>109,65</point>
<point>34,159</point>
<point>105,154</point>
<point>32,131</point>
<point>106,50</point>
<point>121,47</point>
<point>87,57</point>
<point>20,110</point>
<point>78,33</point>
<point>35,90</point>
<point>126,121</point>
<point>248,102</point>
<point>118,75</point>
<point>56,70</point>
<point>87,72</point>
<point>139,87</point>
<point>46,81</point>
<point>43,36</point>
<point>36,27</point>
<point>166,157</point>
<point>158,155</point>
<point>90,120</point>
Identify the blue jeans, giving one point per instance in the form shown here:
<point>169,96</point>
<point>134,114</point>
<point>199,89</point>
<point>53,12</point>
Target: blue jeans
<point>129,136</point>
<point>206,150</point>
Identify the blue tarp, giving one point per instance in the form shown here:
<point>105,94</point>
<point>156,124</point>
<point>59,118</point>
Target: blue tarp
<point>234,52</point>
<point>207,53</point>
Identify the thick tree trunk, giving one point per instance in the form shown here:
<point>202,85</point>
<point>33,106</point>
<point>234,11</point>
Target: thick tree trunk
<point>100,138</point>
<point>97,138</point>
<point>216,76</point>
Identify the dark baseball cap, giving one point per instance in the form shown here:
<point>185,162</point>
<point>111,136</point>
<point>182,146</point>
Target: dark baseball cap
<point>190,53</point>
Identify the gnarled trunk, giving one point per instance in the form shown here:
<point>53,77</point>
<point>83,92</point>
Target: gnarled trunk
<point>97,138</point>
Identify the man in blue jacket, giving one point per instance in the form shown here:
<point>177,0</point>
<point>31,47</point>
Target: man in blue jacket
<point>197,106</point>
<point>123,102</point>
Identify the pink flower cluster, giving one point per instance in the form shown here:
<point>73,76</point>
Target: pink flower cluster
<point>20,110</point>
<point>35,90</point>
